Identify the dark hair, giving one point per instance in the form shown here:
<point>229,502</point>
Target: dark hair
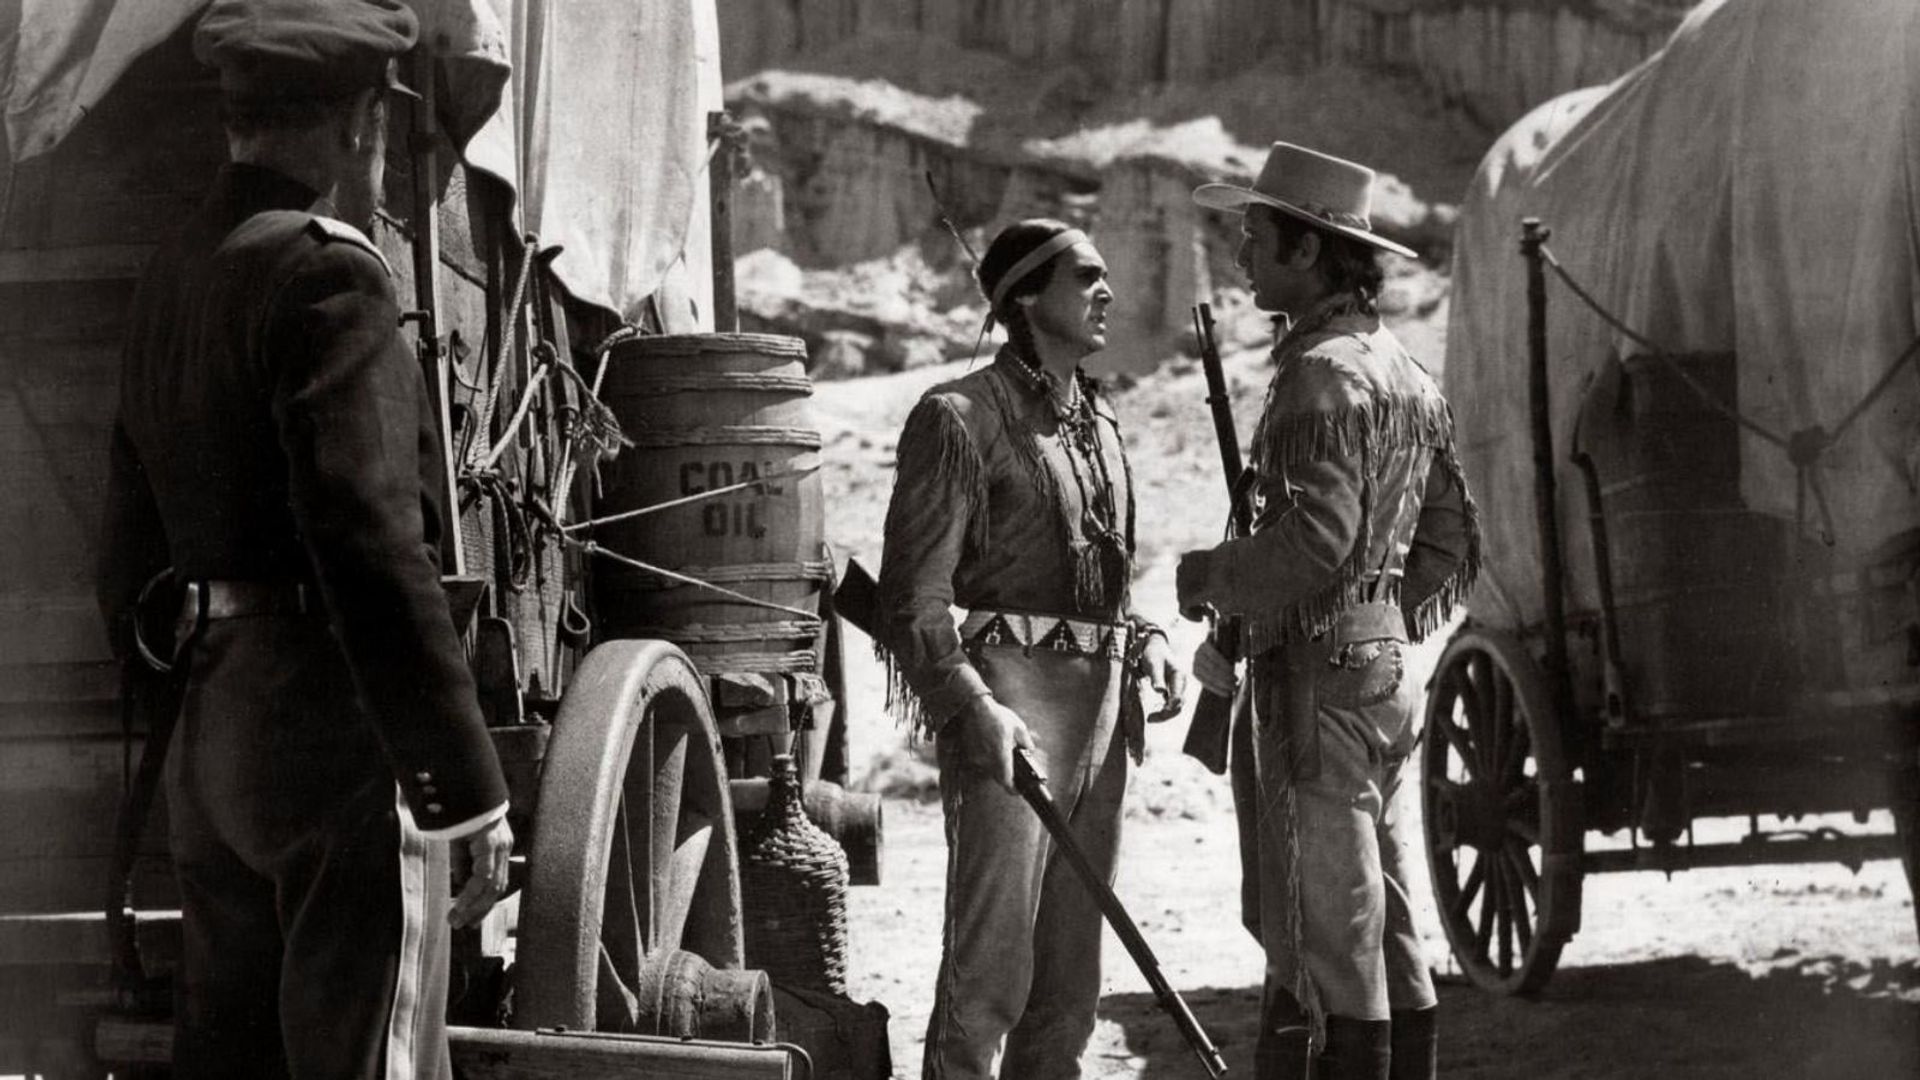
<point>1345,265</point>
<point>262,116</point>
<point>1016,242</point>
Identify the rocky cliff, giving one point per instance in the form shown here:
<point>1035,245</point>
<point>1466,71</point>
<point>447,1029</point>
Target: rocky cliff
<point>1493,58</point>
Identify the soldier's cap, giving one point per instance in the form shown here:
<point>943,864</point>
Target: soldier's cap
<point>312,50</point>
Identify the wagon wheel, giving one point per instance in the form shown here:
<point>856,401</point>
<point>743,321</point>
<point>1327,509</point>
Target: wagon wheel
<point>1904,786</point>
<point>1502,812</point>
<point>632,865</point>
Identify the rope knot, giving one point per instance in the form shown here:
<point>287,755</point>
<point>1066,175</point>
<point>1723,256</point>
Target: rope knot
<point>1805,446</point>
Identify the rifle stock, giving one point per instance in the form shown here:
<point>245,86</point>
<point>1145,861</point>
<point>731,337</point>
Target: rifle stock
<point>1207,734</point>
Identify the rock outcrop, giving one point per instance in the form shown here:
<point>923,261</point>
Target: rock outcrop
<point>1493,58</point>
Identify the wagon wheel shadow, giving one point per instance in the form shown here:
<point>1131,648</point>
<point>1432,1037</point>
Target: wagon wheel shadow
<point>1795,1017</point>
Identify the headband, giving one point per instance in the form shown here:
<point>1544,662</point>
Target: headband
<point>1033,260</point>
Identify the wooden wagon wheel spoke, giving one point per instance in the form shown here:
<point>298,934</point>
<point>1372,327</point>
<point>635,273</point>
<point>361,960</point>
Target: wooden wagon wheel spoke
<point>1513,763</point>
<point>1523,865</point>
<point>1483,933</point>
<point>683,875</point>
<point>1517,902</point>
<point>1486,721</point>
<point>1452,736</point>
<point>1501,711</point>
<point>1475,878</point>
<point>663,832</point>
<point>623,919</point>
<point>616,1006</point>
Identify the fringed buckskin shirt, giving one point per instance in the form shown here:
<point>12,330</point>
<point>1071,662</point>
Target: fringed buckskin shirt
<point>989,512</point>
<point>1354,433</point>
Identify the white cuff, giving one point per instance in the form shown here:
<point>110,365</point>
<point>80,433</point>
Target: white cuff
<point>468,827</point>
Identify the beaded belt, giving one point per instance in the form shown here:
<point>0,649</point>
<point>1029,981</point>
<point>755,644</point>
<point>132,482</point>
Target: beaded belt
<point>1079,637</point>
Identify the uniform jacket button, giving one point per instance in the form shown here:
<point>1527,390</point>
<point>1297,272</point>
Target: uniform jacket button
<point>434,808</point>
<point>429,789</point>
<point>423,776</point>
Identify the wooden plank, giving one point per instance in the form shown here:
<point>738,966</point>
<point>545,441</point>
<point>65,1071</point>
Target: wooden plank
<point>481,1054</point>
<point>81,938</point>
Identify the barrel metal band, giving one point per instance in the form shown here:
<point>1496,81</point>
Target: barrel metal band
<point>760,663</point>
<point>733,633</point>
<point>718,381</point>
<point>737,573</point>
<point>655,438</point>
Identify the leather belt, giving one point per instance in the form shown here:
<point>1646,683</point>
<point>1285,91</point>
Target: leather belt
<point>210,600</point>
<point>1079,637</point>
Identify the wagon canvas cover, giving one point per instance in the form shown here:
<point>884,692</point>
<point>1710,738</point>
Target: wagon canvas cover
<point>1754,188</point>
<point>592,110</point>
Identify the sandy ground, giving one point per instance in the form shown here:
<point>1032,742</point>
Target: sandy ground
<point>1776,971</point>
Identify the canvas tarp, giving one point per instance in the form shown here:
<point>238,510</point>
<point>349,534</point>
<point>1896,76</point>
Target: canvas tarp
<point>1754,188</point>
<point>592,110</point>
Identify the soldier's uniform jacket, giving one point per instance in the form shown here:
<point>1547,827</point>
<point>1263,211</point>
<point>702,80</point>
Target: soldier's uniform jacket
<point>274,427</point>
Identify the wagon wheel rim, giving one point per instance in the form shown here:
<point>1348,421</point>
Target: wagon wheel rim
<point>1493,790</point>
<point>633,855</point>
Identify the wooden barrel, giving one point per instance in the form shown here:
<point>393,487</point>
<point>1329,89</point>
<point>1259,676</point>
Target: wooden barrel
<point>708,412</point>
<point>1706,589</point>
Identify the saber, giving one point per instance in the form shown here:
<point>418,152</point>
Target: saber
<point>1032,785</point>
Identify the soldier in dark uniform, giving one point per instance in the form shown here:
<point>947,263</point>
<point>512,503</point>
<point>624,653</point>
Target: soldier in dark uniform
<point>274,430</point>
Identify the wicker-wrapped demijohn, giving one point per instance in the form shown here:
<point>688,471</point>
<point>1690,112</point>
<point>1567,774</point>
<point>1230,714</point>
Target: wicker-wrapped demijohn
<point>793,884</point>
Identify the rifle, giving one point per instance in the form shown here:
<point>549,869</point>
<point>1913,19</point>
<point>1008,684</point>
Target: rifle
<point>1207,735</point>
<point>855,601</point>
<point>1032,785</point>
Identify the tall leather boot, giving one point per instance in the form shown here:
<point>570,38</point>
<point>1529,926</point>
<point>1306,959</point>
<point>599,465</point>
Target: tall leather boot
<point>1356,1049</point>
<point>1284,1050</point>
<point>1416,1044</point>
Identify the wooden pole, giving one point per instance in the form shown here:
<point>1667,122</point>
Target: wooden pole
<point>726,312</point>
<point>1546,504</point>
<point>424,149</point>
<point>488,1054</point>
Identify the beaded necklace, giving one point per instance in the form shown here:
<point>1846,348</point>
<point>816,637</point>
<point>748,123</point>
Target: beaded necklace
<point>1080,439</point>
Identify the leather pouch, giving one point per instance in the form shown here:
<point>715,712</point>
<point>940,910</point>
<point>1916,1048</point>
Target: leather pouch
<point>1368,657</point>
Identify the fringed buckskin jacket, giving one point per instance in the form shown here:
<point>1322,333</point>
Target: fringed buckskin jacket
<point>1355,477</point>
<point>990,512</point>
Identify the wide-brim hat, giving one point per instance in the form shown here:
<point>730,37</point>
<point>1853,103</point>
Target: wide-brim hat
<point>1323,190</point>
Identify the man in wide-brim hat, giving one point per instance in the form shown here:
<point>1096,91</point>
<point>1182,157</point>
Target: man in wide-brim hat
<point>1363,538</point>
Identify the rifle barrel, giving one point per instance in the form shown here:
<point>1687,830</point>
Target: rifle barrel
<point>1033,787</point>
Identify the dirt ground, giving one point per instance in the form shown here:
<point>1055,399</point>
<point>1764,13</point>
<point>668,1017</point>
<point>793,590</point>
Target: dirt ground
<point>1774,971</point>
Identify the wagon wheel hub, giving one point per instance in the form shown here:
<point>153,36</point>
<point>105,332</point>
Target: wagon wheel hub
<point>1482,815</point>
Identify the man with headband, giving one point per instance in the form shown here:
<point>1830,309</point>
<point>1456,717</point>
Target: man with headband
<point>1014,501</point>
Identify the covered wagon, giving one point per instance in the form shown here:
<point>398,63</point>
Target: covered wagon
<point>1682,359</point>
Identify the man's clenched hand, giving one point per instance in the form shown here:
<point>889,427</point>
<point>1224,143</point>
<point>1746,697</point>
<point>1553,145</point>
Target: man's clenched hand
<point>480,872</point>
<point>988,733</point>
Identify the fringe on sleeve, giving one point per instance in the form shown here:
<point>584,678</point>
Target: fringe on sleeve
<point>1434,610</point>
<point>937,459</point>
